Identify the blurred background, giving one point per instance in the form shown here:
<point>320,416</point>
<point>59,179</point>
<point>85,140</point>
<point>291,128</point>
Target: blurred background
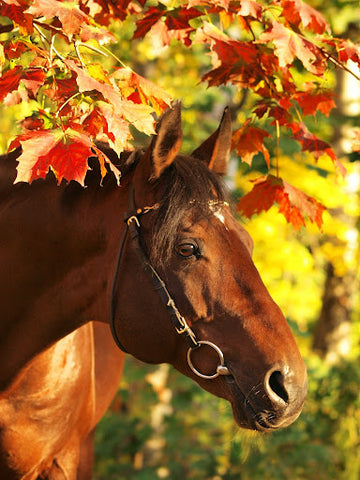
<point>162,425</point>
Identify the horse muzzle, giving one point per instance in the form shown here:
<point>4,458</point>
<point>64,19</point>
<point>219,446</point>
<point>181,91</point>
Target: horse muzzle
<point>273,403</point>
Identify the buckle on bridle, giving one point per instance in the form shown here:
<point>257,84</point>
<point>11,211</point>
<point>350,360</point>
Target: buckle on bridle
<point>185,328</point>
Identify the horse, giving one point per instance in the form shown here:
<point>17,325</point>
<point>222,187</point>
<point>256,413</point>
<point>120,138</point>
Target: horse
<point>159,268</point>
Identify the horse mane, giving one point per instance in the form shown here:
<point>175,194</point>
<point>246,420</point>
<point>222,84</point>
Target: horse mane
<point>188,187</point>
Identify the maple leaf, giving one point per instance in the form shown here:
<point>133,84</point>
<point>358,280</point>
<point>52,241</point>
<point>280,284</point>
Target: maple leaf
<point>100,35</point>
<point>14,49</point>
<point>10,81</point>
<point>148,92</point>
<point>116,128</point>
<point>250,8</point>
<point>178,18</point>
<point>292,203</point>
<point>16,12</point>
<point>248,141</point>
<point>309,142</point>
<point>288,45</point>
<point>64,153</point>
<point>151,17</point>
<point>296,12</point>
<point>34,145</point>
<point>62,89</point>
<point>138,115</point>
<point>71,18</point>
<point>312,102</point>
<point>347,50</point>
<point>33,78</point>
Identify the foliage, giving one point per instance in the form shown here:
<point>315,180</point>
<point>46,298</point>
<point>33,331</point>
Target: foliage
<point>258,47</point>
<point>202,442</point>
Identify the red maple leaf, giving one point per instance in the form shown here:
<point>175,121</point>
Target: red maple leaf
<point>35,144</point>
<point>151,17</point>
<point>10,81</point>
<point>347,50</point>
<point>16,12</point>
<point>14,49</point>
<point>311,102</point>
<point>178,18</point>
<point>297,12</point>
<point>248,141</point>
<point>311,143</point>
<point>69,15</point>
<point>33,78</point>
<point>62,89</point>
<point>295,205</point>
<point>64,153</point>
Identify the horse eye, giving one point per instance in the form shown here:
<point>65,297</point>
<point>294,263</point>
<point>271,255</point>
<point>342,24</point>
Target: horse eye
<point>187,250</point>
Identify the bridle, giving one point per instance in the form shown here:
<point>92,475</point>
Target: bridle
<point>132,220</point>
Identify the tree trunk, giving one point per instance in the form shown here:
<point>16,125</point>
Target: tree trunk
<point>332,335</point>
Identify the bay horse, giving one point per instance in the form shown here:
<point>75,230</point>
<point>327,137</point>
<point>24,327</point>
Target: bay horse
<point>173,283</point>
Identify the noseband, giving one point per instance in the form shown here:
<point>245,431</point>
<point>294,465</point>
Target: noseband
<point>133,228</point>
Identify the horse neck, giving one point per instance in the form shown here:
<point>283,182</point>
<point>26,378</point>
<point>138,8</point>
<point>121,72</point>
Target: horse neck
<point>59,248</point>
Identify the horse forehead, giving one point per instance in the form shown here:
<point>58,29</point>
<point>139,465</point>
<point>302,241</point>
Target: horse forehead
<point>221,220</point>
<point>223,215</point>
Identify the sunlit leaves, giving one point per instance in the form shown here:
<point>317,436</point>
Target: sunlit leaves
<point>248,141</point>
<point>262,48</point>
<point>295,205</point>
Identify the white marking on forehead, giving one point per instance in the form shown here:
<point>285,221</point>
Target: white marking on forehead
<point>217,210</point>
<point>220,216</point>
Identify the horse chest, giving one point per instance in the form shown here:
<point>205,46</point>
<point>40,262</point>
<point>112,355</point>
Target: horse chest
<point>49,406</point>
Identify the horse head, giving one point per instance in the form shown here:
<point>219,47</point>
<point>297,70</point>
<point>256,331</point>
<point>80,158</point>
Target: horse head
<point>232,338</point>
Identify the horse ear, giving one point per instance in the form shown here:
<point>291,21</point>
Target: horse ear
<point>166,144</point>
<point>215,151</point>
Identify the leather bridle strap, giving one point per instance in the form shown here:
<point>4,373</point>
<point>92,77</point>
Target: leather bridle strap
<point>133,227</point>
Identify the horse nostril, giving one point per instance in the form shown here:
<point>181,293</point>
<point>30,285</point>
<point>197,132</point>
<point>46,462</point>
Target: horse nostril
<point>276,388</point>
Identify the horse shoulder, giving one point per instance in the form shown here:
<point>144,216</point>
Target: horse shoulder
<point>55,402</point>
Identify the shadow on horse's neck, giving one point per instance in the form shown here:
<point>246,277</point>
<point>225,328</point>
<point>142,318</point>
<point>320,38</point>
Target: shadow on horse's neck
<point>58,249</point>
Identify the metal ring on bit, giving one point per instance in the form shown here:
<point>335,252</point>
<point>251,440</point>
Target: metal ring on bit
<point>221,368</point>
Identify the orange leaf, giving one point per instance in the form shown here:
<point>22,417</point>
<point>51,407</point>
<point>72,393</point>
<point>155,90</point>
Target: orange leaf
<point>288,45</point>
<point>248,141</point>
<point>138,115</point>
<point>314,102</point>
<point>69,14</point>
<point>294,204</point>
<point>297,11</point>
<point>35,146</point>
<point>148,92</point>
<point>309,142</point>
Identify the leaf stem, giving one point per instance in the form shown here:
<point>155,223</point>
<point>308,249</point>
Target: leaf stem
<point>65,103</point>
<point>45,39</point>
<point>94,49</point>
<point>76,46</point>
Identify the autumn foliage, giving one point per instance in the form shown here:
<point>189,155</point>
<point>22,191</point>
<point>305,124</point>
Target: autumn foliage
<point>75,103</point>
